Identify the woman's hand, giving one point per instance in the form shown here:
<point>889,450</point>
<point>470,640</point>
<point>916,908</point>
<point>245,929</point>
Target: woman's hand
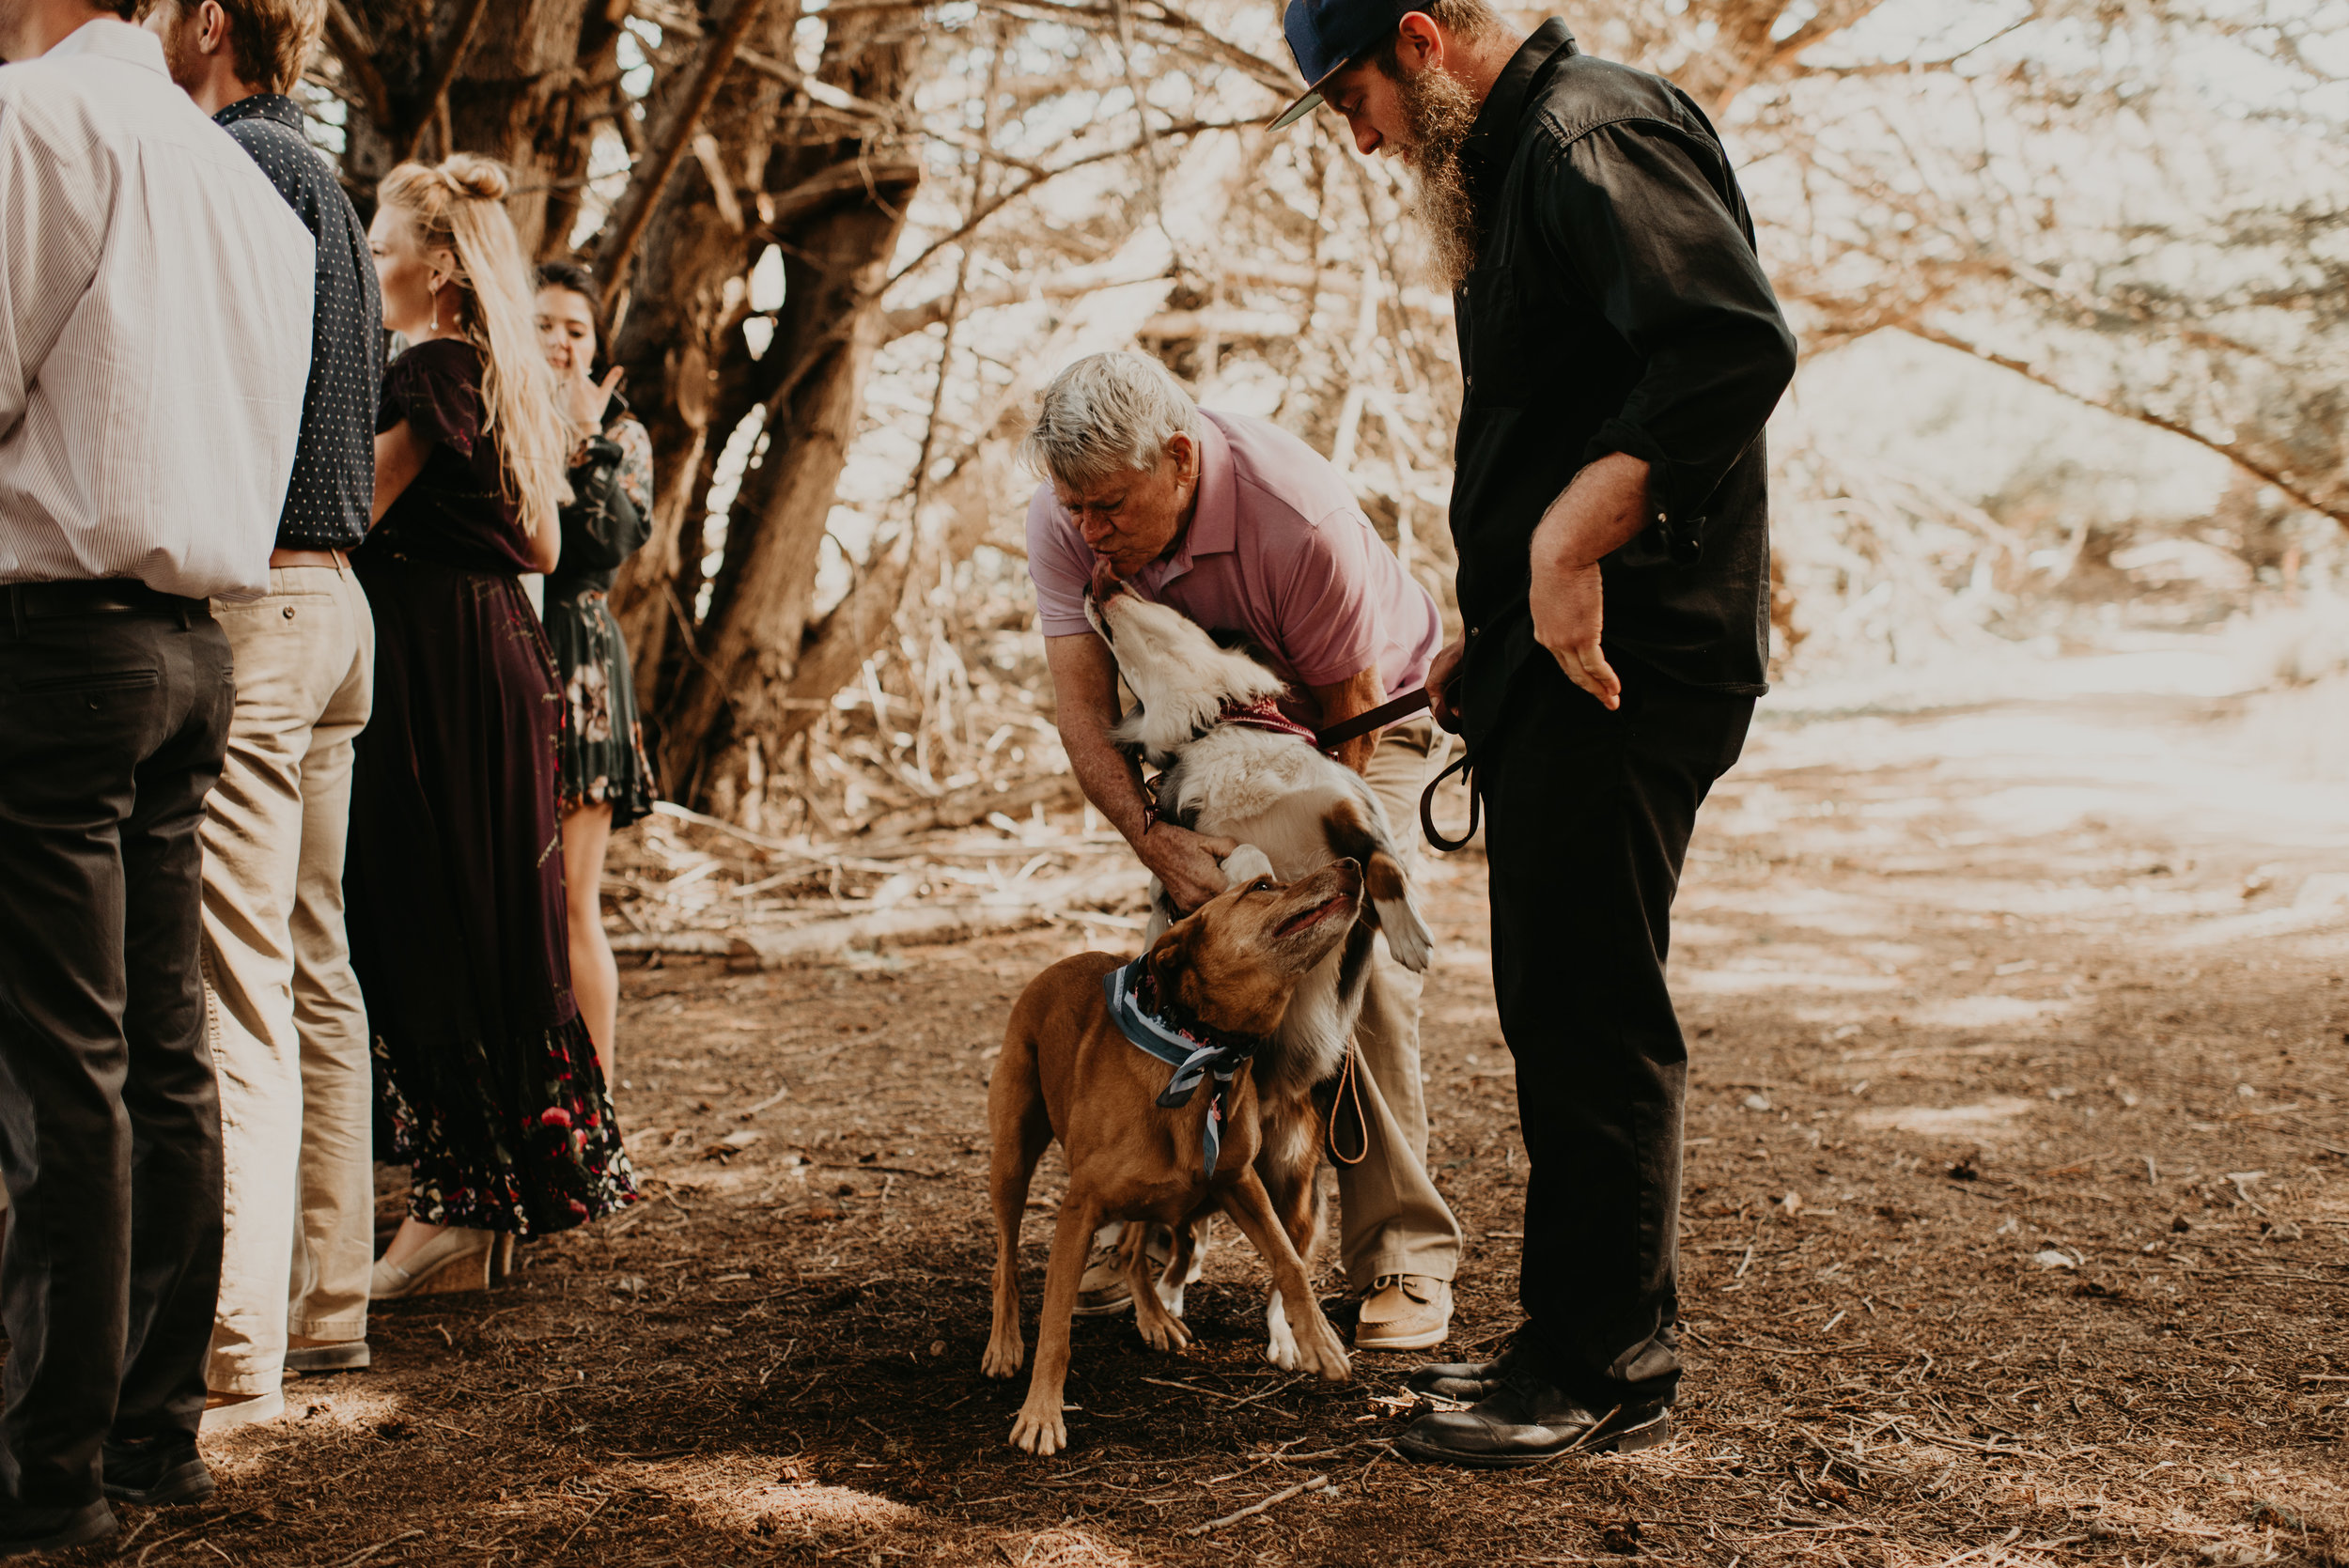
<point>588,399</point>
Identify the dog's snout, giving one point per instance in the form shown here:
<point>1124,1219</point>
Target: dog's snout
<point>1106,584</point>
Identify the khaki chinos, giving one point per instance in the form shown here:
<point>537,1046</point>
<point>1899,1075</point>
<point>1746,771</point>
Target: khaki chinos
<point>1393,1220</point>
<point>288,1028</point>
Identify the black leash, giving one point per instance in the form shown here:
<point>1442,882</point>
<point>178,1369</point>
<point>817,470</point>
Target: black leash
<point>1387,713</point>
<point>1363,723</point>
<point>1466,769</point>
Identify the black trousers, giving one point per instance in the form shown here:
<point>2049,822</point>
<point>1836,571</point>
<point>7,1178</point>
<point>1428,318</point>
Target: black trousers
<point>112,729</point>
<point>1587,821</point>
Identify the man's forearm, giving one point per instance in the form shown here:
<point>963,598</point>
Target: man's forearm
<point>1110,780</point>
<point>1602,510</point>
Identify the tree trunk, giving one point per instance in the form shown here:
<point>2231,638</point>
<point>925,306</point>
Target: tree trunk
<point>837,242</point>
<point>682,333</point>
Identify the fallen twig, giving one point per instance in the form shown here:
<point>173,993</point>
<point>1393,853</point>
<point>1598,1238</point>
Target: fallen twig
<point>1216,1394</point>
<point>2007,1540</point>
<point>1281,1496</point>
<point>365,1552</point>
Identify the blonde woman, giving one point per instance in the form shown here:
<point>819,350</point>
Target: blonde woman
<point>486,1081</point>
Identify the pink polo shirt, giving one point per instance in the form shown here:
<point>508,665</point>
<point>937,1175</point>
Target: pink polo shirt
<point>1276,550</point>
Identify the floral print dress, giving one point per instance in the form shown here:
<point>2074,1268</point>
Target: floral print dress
<point>603,758</point>
<point>487,1085</point>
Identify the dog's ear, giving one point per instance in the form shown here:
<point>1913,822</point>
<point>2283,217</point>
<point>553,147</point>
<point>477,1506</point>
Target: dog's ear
<point>1170,961</point>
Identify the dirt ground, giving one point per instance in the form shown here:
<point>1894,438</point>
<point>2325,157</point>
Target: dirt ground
<point>2014,1228</point>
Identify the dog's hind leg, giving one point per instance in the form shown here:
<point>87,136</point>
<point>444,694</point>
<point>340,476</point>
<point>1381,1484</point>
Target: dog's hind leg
<point>1317,1346</point>
<point>1160,1321</point>
<point>1022,1131</point>
<point>1187,1261</point>
<point>1039,1429</point>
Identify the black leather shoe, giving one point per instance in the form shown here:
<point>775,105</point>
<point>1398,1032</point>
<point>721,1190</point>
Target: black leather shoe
<point>1469,1381</point>
<point>25,1530</point>
<point>155,1470</point>
<point>1528,1422</point>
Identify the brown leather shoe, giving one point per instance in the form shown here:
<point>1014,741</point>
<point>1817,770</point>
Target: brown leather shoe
<point>1405,1312</point>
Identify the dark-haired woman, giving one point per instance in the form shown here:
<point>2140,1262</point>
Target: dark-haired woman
<point>607,779</point>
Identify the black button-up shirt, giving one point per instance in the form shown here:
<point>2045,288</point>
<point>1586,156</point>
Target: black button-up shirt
<point>333,473</point>
<point>1616,305</point>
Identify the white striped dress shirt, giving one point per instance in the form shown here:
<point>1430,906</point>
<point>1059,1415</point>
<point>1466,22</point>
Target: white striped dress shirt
<point>155,298</point>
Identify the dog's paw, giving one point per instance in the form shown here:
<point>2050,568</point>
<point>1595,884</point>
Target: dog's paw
<point>1321,1352</point>
<point>1281,1343</point>
<point>1039,1429</point>
<point>1407,936</point>
<point>1002,1356</point>
<point>1165,1332</point>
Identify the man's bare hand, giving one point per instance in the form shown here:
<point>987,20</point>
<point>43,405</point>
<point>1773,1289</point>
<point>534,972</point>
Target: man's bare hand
<point>1442,701</point>
<point>1603,509</point>
<point>1188,864</point>
<point>1567,602</point>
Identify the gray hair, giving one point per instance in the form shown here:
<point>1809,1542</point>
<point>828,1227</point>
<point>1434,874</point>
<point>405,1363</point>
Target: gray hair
<point>1105,414</point>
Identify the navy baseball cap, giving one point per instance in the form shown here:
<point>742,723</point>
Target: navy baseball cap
<point>1325,36</point>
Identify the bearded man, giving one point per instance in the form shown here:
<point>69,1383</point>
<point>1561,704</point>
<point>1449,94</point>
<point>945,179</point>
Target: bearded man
<point>1622,351</point>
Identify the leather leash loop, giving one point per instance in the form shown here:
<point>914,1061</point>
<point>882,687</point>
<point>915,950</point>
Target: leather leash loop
<point>1465,767</point>
<point>1349,1094</point>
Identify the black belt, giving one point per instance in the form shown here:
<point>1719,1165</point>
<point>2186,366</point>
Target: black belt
<point>109,596</point>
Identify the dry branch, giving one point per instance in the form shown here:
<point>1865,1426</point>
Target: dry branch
<point>1281,1496</point>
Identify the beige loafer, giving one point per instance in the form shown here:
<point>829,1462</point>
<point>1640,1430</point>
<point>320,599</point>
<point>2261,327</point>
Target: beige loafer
<point>1103,1291</point>
<point>454,1260</point>
<point>1405,1312</point>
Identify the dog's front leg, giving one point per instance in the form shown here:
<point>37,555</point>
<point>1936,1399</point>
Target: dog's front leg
<point>1318,1347</point>
<point>1039,1429</point>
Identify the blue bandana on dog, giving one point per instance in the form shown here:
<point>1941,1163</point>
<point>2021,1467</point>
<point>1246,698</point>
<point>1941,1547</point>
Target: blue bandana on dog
<point>1195,1051</point>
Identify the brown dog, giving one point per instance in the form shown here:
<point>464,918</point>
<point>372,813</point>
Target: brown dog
<point>1068,1071</point>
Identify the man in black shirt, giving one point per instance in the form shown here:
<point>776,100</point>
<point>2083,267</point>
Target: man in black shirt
<point>1622,351</point>
<point>288,1031</point>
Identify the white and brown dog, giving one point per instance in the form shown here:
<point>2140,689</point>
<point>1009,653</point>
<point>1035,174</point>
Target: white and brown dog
<point>1235,768</point>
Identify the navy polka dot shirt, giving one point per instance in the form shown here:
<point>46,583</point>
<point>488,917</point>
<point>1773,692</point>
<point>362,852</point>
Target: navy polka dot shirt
<point>334,472</point>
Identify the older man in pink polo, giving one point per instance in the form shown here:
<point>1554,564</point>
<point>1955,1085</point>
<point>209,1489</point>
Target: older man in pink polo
<point>1246,530</point>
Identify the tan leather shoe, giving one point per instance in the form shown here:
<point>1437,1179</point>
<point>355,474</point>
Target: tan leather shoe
<point>1103,1291</point>
<point>1405,1312</point>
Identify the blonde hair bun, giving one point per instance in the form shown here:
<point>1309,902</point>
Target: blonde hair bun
<point>458,209</point>
<point>477,177</point>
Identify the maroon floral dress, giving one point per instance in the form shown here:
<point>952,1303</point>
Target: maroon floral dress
<point>486,1082</point>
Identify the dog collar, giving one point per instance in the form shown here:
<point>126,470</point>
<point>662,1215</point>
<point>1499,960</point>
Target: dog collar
<point>1196,1052</point>
<point>1263,714</point>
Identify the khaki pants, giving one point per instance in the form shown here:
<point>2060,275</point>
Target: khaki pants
<point>1391,1219</point>
<point>288,1029</point>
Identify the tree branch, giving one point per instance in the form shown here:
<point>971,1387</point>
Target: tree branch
<point>437,85</point>
<point>2235,452</point>
<point>355,51</point>
<point>636,204</point>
